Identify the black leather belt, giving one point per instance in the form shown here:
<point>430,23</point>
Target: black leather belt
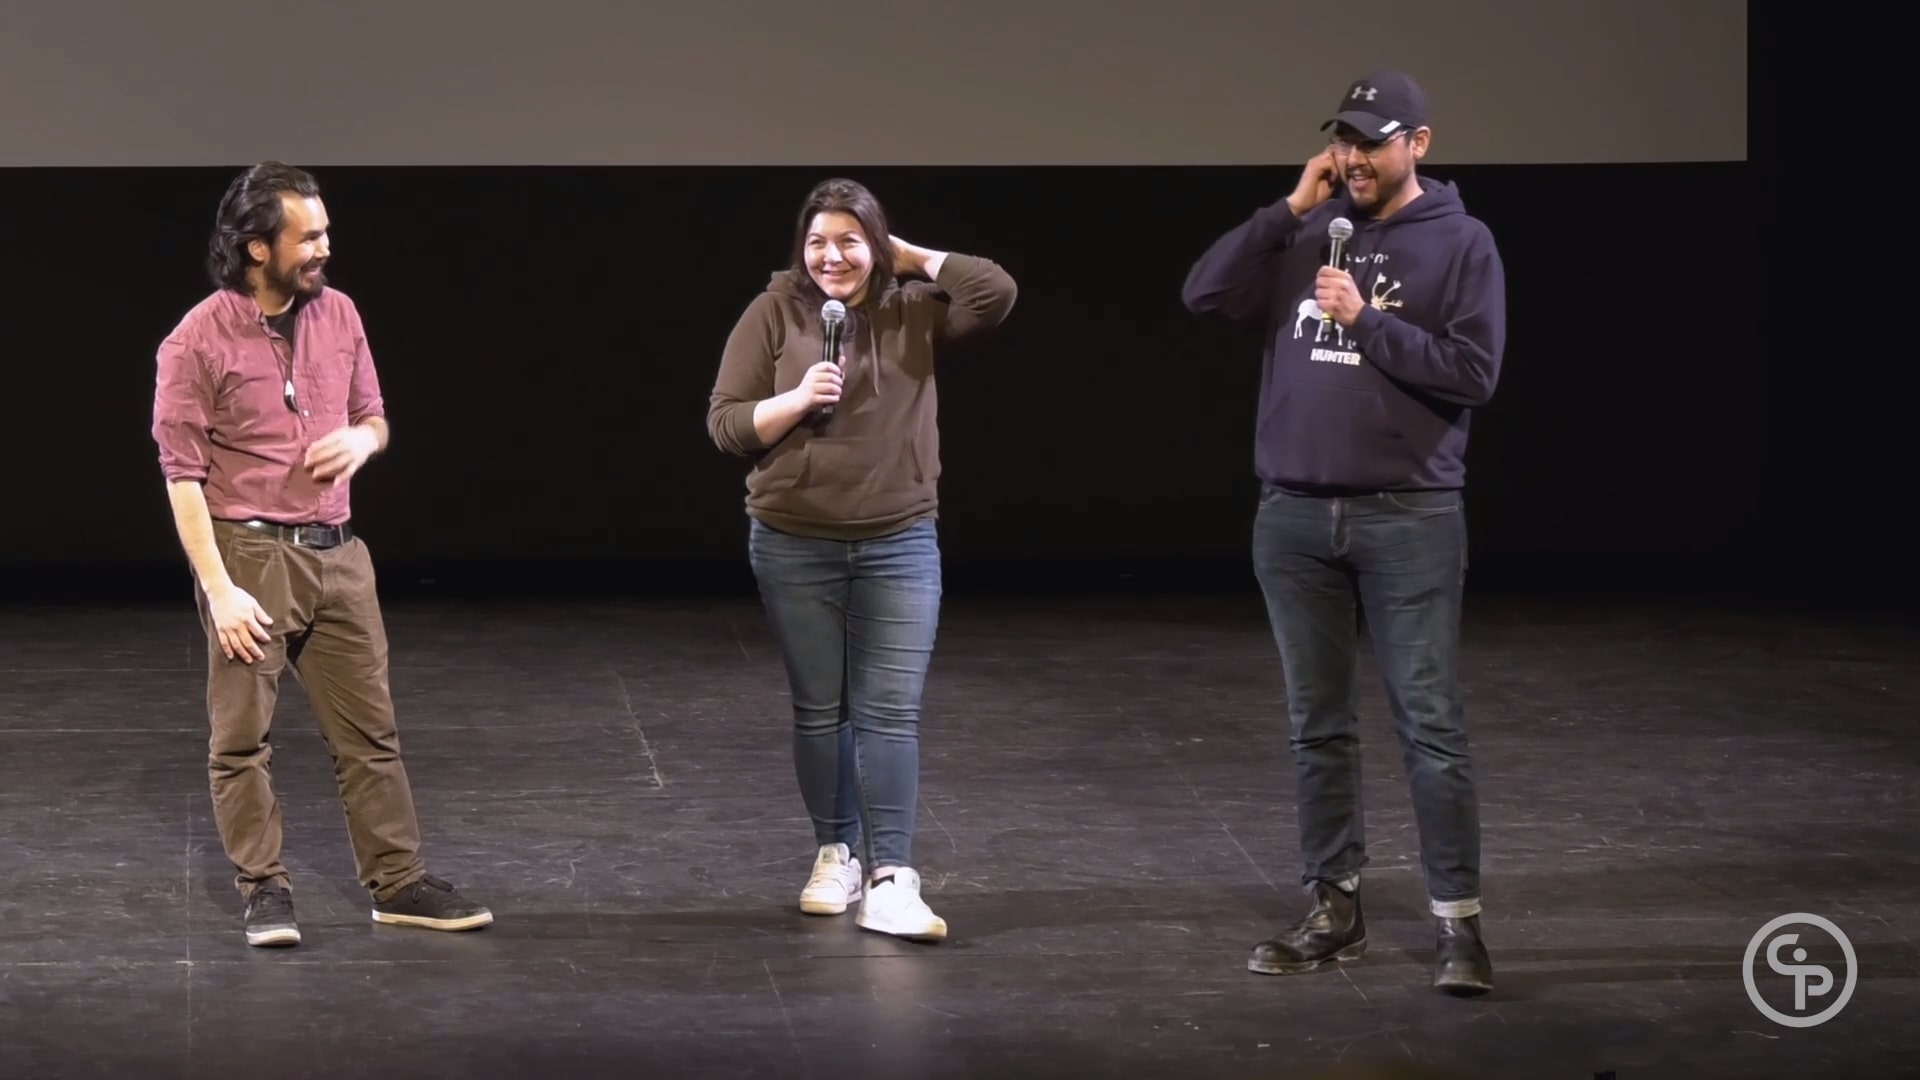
<point>318,537</point>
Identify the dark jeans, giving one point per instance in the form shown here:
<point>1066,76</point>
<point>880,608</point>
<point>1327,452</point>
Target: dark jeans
<point>1395,563</point>
<point>856,622</point>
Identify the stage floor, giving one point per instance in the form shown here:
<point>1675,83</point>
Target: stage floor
<point>1106,826</point>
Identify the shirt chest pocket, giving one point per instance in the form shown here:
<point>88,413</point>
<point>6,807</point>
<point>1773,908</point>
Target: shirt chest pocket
<point>323,381</point>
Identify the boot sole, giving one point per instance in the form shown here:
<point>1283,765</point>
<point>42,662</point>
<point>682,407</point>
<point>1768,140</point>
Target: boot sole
<point>274,939</point>
<point>1351,952</point>
<point>1464,988</point>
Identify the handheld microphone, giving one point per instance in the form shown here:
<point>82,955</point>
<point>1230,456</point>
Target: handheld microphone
<point>833,313</point>
<point>1339,230</point>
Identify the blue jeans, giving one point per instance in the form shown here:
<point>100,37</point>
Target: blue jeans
<point>1395,563</point>
<point>856,622</point>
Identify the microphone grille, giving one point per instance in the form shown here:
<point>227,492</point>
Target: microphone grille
<point>1340,229</point>
<point>834,311</point>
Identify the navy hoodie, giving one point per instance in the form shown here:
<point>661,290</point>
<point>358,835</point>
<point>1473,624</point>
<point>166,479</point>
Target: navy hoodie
<point>1383,406</point>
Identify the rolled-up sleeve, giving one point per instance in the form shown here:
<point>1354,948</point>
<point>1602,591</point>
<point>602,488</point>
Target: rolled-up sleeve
<point>183,403</point>
<point>364,400</point>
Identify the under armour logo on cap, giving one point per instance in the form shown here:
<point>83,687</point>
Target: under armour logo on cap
<point>1380,104</point>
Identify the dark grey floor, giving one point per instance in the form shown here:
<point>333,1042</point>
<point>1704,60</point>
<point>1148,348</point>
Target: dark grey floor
<point>1106,826</point>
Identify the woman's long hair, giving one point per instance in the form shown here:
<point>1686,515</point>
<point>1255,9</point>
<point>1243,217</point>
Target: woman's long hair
<point>846,197</point>
<point>251,210</point>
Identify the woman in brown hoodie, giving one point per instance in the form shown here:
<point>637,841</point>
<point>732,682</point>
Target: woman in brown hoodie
<point>842,501</point>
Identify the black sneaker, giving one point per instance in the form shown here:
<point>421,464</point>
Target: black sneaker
<point>433,904</point>
<point>269,918</point>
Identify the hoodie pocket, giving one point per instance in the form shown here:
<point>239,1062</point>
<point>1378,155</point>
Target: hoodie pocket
<point>863,467</point>
<point>857,479</point>
<point>780,469</point>
<point>1326,433</point>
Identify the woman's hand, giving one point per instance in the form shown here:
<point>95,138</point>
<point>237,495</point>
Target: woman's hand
<point>819,387</point>
<point>909,259</point>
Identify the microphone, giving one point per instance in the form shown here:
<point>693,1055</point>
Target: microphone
<point>834,314</point>
<point>1339,230</point>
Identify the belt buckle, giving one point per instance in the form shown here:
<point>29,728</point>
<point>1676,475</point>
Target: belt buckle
<point>317,537</point>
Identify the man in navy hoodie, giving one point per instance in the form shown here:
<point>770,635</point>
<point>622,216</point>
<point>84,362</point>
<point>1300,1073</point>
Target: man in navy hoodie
<point>1372,368</point>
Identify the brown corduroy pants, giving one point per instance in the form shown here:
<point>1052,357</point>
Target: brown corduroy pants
<point>327,625</point>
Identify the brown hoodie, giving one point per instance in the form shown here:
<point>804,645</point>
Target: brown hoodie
<point>873,468</point>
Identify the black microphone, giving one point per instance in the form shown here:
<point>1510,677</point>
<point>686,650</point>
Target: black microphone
<point>834,314</point>
<point>1339,230</point>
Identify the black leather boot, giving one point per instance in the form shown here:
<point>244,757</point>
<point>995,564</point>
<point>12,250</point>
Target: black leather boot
<point>1461,965</point>
<point>1333,930</point>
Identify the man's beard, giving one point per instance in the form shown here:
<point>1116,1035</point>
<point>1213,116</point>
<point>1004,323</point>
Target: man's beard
<point>1383,190</point>
<point>295,282</point>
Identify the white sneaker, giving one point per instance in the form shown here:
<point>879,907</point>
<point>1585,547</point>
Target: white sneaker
<point>893,906</point>
<point>835,882</point>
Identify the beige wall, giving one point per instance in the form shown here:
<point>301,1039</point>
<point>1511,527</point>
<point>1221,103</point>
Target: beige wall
<point>775,82</point>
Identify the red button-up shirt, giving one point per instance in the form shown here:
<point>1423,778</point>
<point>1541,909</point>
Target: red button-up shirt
<point>220,412</point>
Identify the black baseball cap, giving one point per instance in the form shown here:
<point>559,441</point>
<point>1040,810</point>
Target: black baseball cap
<point>1381,104</point>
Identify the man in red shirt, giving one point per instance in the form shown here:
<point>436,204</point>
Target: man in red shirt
<point>265,405</point>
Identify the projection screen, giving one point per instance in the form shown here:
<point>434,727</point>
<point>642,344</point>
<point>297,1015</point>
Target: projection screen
<point>911,82</point>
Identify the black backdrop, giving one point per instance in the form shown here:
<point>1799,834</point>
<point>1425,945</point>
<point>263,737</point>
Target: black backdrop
<point>547,338</point>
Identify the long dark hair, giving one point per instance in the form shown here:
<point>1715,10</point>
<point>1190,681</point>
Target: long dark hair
<point>842,196</point>
<point>251,210</point>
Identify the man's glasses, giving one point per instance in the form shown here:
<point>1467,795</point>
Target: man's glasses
<point>1344,148</point>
